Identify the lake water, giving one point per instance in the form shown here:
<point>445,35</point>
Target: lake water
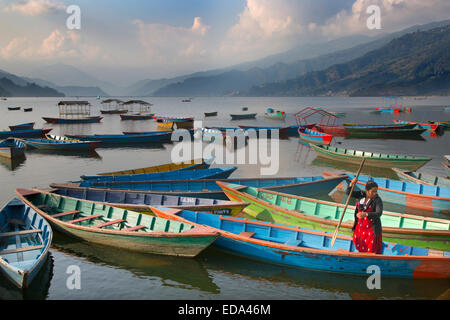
<point>108,273</point>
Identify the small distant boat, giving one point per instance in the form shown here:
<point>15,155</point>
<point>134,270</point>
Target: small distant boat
<point>310,249</point>
<point>422,178</point>
<point>372,158</point>
<point>12,148</point>
<point>123,138</point>
<point>186,100</point>
<point>60,145</point>
<point>137,116</point>
<point>211,114</point>
<point>117,227</point>
<point>24,133</point>
<point>427,126</point>
<point>371,111</point>
<point>244,109</point>
<point>23,126</point>
<point>93,119</point>
<point>27,109</point>
<point>25,241</point>
<point>389,110</point>
<point>13,108</point>
<point>243,116</point>
<point>275,115</point>
<point>313,136</point>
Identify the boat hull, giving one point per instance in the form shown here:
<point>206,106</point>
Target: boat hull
<point>72,121</point>
<point>61,145</point>
<point>124,138</point>
<point>24,133</point>
<point>136,117</point>
<point>422,178</point>
<point>243,116</point>
<point>316,137</point>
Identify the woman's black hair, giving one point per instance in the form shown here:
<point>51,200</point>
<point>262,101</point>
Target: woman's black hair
<point>370,185</point>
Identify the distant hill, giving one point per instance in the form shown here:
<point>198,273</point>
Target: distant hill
<point>414,64</point>
<point>10,89</point>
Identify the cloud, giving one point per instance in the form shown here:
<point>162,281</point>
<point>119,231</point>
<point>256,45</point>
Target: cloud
<point>17,47</point>
<point>35,7</point>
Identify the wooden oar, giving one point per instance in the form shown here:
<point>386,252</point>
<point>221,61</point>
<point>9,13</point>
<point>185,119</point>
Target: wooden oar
<point>346,204</point>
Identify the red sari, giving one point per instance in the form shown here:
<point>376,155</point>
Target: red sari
<point>364,236</point>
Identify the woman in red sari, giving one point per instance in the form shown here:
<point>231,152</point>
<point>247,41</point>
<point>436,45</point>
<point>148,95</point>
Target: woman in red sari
<point>367,235</point>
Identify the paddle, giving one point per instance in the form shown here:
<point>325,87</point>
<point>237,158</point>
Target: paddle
<point>346,204</point>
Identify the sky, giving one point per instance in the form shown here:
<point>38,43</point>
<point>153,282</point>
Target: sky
<point>126,41</point>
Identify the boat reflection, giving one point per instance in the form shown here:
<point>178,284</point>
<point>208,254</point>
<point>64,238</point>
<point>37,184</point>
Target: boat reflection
<point>12,164</point>
<point>186,273</point>
<point>77,154</point>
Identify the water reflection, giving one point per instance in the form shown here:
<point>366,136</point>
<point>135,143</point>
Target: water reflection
<point>12,164</point>
<point>187,273</point>
<point>77,154</point>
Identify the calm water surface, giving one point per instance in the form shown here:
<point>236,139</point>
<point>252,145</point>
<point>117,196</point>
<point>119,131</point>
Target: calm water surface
<point>108,273</point>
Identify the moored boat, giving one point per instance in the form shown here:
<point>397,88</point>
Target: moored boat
<point>275,115</point>
<point>13,108</point>
<point>369,132</point>
<point>379,126</point>
<point>321,215</point>
<point>338,131</point>
<point>123,138</point>
<point>422,178</point>
<point>372,158</point>
<point>25,241</point>
<point>303,248</point>
<point>211,114</point>
<point>27,109</point>
<point>52,144</point>
<point>12,148</point>
<point>23,126</point>
<point>93,119</point>
<point>427,126</point>
<point>137,116</point>
<point>243,116</point>
<point>313,136</point>
<point>116,227</point>
<point>24,133</point>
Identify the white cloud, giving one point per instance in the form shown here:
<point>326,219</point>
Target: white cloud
<point>35,7</point>
<point>17,47</point>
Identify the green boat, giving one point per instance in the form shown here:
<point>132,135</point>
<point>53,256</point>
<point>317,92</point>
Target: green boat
<point>422,178</point>
<point>321,215</point>
<point>120,228</point>
<point>372,158</point>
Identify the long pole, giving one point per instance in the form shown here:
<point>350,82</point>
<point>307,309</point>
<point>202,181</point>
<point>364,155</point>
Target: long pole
<point>346,204</point>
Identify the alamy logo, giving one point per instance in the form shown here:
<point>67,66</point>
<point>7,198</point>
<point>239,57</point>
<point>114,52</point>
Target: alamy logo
<point>374,21</point>
<point>74,20</point>
<point>374,281</point>
<point>74,280</point>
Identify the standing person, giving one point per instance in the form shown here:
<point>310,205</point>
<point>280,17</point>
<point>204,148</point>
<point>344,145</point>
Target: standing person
<point>367,232</point>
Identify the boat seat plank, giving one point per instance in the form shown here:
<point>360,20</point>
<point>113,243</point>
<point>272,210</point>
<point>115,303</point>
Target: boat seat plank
<point>21,249</point>
<point>63,214</point>
<point>16,221</point>
<point>293,242</point>
<point>109,223</point>
<point>435,253</point>
<point>133,228</point>
<point>20,233</point>
<point>247,234</point>
<point>95,216</point>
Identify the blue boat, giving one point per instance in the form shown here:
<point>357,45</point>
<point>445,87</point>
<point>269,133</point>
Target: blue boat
<point>411,195</point>
<point>12,148</point>
<point>310,249</point>
<point>313,136</point>
<point>25,239</point>
<point>124,138</point>
<point>60,145</point>
<point>205,188</point>
<point>23,126</point>
<point>214,173</point>
<point>24,133</point>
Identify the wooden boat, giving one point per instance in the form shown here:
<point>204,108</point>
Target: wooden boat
<point>338,131</point>
<point>211,114</point>
<point>12,149</point>
<point>313,136</point>
<point>308,249</point>
<point>93,119</point>
<point>117,111</point>
<point>445,124</point>
<point>123,138</point>
<point>52,144</point>
<point>13,108</point>
<point>411,195</point>
<point>24,133</point>
<point>210,173</point>
<point>427,126</point>
<point>243,116</point>
<point>175,123</point>
<point>372,158</point>
<point>23,126</point>
<point>371,111</point>
<point>379,126</point>
<point>389,110</point>
<point>278,115</point>
<point>173,118</point>
<point>110,226</point>
<point>186,100</point>
<point>25,240</point>
<point>422,178</point>
<point>206,188</point>
<point>321,215</point>
<point>27,109</point>
<point>137,116</point>
<point>363,132</point>
<point>140,202</point>
<point>187,165</point>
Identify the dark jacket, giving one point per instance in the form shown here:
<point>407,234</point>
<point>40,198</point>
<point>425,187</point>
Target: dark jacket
<point>374,215</point>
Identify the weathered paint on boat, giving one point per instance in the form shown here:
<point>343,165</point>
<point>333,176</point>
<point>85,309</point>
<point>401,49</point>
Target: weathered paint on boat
<point>209,189</point>
<point>422,178</point>
<point>26,238</point>
<point>214,173</point>
<point>313,136</point>
<point>410,195</point>
<point>304,212</point>
<point>140,202</point>
<point>372,158</point>
<point>134,231</point>
<point>12,148</point>
<point>303,248</point>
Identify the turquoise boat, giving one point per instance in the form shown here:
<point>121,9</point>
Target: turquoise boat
<point>411,195</point>
<point>12,149</point>
<point>422,178</point>
<point>25,238</point>
<point>206,188</point>
<point>214,173</point>
<point>309,249</point>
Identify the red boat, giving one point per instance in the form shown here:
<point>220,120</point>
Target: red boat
<point>338,131</point>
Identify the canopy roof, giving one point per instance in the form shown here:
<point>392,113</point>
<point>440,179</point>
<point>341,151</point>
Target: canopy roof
<point>137,102</point>
<point>112,100</point>
<point>74,103</point>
